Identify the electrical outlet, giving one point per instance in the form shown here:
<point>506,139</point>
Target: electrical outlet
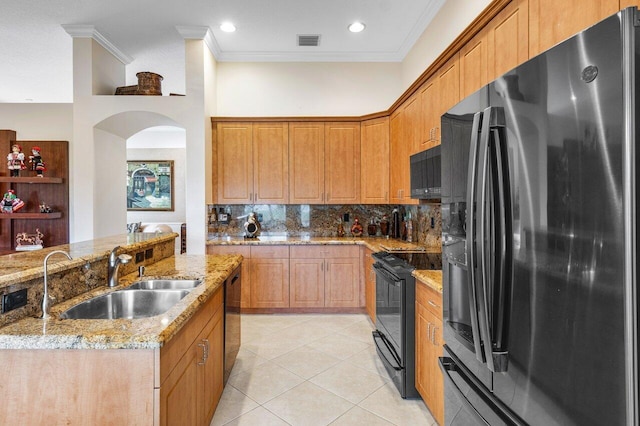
<point>148,254</point>
<point>345,217</point>
<point>139,257</point>
<point>14,300</point>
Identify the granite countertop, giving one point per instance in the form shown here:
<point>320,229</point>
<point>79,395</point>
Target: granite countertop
<point>373,243</point>
<point>431,278</point>
<point>27,265</point>
<point>144,333</point>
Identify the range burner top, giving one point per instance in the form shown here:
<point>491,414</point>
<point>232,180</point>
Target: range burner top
<point>408,261</point>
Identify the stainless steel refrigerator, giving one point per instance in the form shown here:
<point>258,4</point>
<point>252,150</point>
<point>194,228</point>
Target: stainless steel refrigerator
<point>540,249</point>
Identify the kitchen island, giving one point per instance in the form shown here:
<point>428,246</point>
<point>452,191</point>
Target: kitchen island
<point>160,370</point>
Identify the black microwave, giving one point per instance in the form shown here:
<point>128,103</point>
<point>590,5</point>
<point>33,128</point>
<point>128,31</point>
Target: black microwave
<point>425,174</point>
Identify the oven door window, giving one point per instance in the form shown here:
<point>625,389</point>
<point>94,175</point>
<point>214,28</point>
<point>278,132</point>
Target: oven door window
<point>389,306</point>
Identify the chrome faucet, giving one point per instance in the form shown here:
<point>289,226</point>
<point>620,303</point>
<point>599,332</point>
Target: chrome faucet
<point>114,264</point>
<point>45,298</point>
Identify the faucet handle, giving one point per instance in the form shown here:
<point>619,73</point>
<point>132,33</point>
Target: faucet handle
<point>125,258</point>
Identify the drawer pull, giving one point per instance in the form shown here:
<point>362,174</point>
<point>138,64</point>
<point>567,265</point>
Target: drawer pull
<point>432,304</point>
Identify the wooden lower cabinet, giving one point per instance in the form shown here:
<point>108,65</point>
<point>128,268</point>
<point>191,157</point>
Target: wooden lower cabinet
<point>193,362</point>
<point>325,276</point>
<point>429,381</point>
<point>342,279</point>
<point>270,277</point>
<point>369,284</point>
<point>307,283</point>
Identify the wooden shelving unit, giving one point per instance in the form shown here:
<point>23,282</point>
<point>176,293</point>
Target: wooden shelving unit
<point>52,189</point>
<point>30,179</point>
<point>41,216</point>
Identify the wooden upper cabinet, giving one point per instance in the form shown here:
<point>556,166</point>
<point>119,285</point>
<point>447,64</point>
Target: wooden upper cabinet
<point>413,124</point>
<point>429,115</point>
<point>306,163</point>
<point>271,163</point>
<point>508,39</point>
<point>448,86</point>
<point>374,161</point>
<point>552,21</point>
<point>473,64</point>
<point>629,3</point>
<point>234,163</point>
<point>342,163</point>
<point>397,167</point>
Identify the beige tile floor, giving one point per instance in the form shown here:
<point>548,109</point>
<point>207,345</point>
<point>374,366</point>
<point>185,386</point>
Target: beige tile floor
<point>313,370</point>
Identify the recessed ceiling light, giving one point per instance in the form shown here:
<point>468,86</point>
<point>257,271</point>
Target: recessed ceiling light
<point>356,27</point>
<point>227,27</point>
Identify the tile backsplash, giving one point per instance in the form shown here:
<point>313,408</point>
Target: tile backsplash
<point>323,220</point>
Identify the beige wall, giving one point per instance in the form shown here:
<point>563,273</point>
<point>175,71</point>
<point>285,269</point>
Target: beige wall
<point>451,20</point>
<point>107,72</point>
<point>306,89</point>
<point>336,88</point>
<point>38,121</point>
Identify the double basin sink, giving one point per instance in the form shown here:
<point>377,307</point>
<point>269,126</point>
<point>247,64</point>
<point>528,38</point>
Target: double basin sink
<point>142,299</point>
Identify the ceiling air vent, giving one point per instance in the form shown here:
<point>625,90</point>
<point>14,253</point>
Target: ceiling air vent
<point>308,40</point>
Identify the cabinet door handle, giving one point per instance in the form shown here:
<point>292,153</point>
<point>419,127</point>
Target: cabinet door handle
<point>432,303</point>
<point>429,331</point>
<point>433,335</point>
<point>204,353</point>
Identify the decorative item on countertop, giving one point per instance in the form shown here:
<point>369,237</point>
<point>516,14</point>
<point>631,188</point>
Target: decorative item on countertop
<point>44,208</point>
<point>340,228</point>
<point>384,226</point>
<point>356,228</point>
<point>252,226</point>
<point>372,229</point>
<point>37,164</point>
<point>149,84</point>
<point>15,160</point>
<point>11,203</point>
<point>395,223</point>
<point>409,223</point>
<point>26,242</point>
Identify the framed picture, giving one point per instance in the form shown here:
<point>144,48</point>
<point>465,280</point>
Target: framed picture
<point>150,185</point>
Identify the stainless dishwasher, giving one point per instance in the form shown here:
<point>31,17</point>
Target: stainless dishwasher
<point>232,293</point>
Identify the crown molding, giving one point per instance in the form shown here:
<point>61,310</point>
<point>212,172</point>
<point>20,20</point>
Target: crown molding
<point>89,31</point>
<point>309,57</point>
<point>430,11</point>
<point>200,33</point>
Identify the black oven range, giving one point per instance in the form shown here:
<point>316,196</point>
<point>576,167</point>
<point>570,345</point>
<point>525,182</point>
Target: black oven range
<point>394,336</point>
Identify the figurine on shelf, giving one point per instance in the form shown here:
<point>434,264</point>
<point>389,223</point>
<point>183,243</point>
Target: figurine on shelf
<point>37,164</point>
<point>11,203</point>
<point>44,208</point>
<point>15,160</point>
<point>356,228</point>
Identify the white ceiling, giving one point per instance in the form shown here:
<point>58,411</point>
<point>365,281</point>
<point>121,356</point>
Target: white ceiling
<point>36,52</point>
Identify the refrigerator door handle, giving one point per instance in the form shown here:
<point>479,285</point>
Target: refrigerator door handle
<point>503,232</point>
<point>451,364</point>
<point>471,232</point>
<point>481,241</point>
<point>447,365</point>
<point>494,207</point>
